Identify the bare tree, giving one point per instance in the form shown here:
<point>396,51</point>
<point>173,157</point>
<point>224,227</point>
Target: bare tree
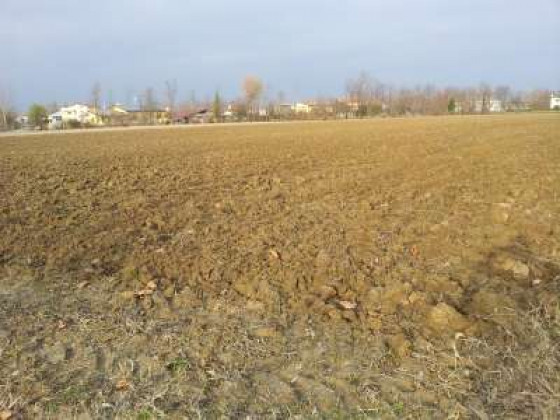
<point>538,99</point>
<point>148,104</point>
<point>252,89</point>
<point>360,93</point>
<point>6,107</point>
<point>503,94</point>
<point>150,100</point>
<point>366,95</point>
<point>485,93</point>
<point>171,95</point>
<point>389,94</point>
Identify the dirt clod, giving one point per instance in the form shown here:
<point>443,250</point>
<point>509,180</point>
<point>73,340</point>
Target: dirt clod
<point>6,415</point>
<point>444,319</point>
<point>399,345</point>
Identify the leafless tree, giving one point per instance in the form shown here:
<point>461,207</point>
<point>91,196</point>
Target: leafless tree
<point>538,99</point>
<point>6,107</point>
<point>360,93</point>
<point>252,90</point>
<point>485,94</point>
<point>503,94</point>
<point>517,102</point>
<point>148,104</point>
<point>149,98</point>
<point>171,94</point>
<point>366,95</point>
<point>389,93</point>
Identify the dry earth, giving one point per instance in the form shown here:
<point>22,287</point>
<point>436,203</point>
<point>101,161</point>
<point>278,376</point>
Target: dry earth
<point>383,269</point>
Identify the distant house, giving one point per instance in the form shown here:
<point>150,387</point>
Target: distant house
<point>180,117</point>
<point>76,114</point>
<point>230,113</point>
<point>55,121</point>
<point>202,116</point>
<point>555,101</point>
<point>119,115</point>
<point>301,108</point>
<point>491,105</point>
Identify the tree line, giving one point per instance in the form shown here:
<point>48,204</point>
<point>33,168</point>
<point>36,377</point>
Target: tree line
<point>364,96</point>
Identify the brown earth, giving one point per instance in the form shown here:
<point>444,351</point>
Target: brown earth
<point>386,268</point>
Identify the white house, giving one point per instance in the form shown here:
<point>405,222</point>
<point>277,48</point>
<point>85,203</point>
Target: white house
<point>263,112</point>
<point>555,100</point>
<point>55,121</point>
<point>81,114</point>
<point>492,105</point>
<point>300,108</point>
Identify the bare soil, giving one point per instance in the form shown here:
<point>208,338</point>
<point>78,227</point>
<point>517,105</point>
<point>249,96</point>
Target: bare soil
<point>378,269</point>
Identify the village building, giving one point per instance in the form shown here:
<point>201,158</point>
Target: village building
<point>490,105</point>
<point>74,115</point>
<point>301,108</point>
<point>555,101</point>
<point>118,115</point>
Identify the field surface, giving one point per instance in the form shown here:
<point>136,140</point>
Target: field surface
<point>388,268</point>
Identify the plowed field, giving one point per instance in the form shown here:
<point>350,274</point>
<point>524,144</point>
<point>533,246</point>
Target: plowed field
<point>385,268</point>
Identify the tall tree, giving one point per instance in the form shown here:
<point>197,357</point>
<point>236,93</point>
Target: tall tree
<point>149,105</point>
<point>252,89</point>
<point>485,93</point>
<point>171,95</point>
<point>361,92</point>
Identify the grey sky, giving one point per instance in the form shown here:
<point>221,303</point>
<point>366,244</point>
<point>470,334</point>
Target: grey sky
<point>54,50</point>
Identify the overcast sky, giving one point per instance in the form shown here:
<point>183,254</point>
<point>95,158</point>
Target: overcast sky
<point>54,50</point>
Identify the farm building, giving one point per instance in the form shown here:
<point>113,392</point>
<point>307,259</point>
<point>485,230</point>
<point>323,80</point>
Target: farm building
<point>202,116</point>
<point>119,115</point>
<point>149,116</point>
<point>555,100</point>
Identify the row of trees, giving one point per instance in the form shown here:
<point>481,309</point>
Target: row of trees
<point>364,96</point>
<point>369,96</point>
